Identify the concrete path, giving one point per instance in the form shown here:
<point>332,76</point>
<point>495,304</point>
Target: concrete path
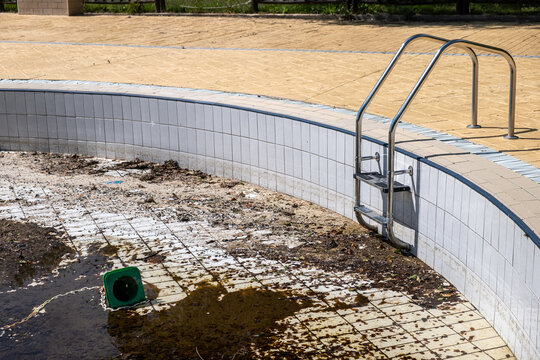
<point>339,66</point>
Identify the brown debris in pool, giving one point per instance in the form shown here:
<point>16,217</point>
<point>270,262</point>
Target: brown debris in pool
<point>209,323</point>
<point>28,250</point>
<point>319,237</point>
<point>345,249</point>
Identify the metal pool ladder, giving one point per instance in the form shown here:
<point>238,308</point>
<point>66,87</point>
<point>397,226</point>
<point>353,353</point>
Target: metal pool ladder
<point>380,180</point>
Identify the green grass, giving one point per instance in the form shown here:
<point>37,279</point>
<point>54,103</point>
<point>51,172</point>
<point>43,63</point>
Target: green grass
<point>198,6</point>
<point>324,9</point>
<point>238,6</point>
<point>504,9</point>
<point>134,8</point>
<point>10,8</point>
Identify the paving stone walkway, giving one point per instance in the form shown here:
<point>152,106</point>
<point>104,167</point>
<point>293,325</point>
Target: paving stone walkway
<point>339,66</point>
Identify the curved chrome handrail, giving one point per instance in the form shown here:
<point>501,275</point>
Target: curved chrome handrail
<point>393,126</point>
<point>361,111</point>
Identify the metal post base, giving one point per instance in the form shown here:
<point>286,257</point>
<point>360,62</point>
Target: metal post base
<point>513,137</point>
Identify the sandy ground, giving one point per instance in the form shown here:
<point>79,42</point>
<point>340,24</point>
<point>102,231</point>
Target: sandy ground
<point>229,54</point>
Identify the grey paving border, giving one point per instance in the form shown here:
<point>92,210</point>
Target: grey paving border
<point>246,49</point>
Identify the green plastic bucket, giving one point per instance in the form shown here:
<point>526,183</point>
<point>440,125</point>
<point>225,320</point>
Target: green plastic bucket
<point>123,287</point>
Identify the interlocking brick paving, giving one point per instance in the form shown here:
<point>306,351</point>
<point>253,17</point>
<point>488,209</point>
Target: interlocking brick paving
<point>341,79</point>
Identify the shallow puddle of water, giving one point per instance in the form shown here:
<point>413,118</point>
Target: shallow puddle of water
<point>209,323</point>
<point>71,326</point>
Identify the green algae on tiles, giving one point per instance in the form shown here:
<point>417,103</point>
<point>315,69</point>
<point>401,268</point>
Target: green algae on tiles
<point>123,287</point>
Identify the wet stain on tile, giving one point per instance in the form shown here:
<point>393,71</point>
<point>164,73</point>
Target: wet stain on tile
<point>209,323</point>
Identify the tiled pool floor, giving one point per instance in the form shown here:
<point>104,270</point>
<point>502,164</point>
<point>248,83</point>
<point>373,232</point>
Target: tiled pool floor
<point>391,325</point>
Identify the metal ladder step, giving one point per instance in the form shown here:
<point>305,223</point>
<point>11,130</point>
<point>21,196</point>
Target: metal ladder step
<point>380,182</point>
<point>372,214</point>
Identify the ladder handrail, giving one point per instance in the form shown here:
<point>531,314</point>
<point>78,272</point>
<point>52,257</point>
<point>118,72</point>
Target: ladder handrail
<point>393,126</point>
<point>387,71</point>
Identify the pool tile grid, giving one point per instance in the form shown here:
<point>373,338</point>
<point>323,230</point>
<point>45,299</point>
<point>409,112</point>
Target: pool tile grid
<point>390,322</point>
<point>314,322</point>
<point>398,306</point>
<point>316,327</point>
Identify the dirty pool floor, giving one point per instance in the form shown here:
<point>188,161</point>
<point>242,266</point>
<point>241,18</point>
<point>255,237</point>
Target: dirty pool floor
<point>231,271</point>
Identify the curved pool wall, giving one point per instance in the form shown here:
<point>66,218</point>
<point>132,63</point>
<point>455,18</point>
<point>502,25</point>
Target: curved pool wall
<point>461,231</point>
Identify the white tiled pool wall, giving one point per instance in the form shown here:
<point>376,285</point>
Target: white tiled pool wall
<point>454,229</point>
